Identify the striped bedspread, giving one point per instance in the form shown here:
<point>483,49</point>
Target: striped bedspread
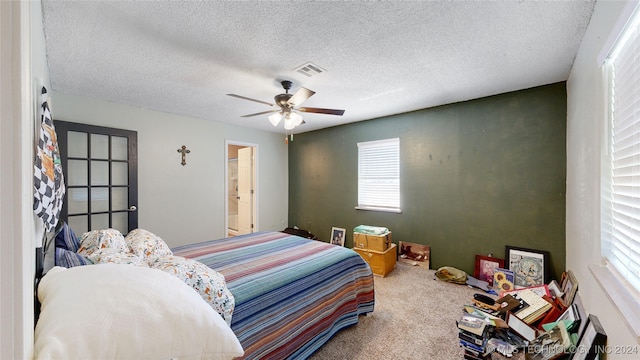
<point>292,294</point>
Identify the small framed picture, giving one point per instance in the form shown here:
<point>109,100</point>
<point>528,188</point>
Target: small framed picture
<point>555,290</point>
<point>486,267</point>
<point>591,343</point>
<point>503,280</point>
<point>337,236</point>
<point>570,288</point>
<point>530,267</point>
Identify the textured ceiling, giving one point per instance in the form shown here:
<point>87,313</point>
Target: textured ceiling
<point>381,57</point>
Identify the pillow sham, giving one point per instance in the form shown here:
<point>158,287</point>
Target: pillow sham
<point>209,283</point>
<point>146,244</point>
<point>67,239</point>
<point>67,258</point>
<point>111,311</point>
<point>100,239</point>
<point>116,256</point>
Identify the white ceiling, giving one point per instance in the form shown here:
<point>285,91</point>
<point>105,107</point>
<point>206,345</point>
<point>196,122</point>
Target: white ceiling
<point>381,57</point>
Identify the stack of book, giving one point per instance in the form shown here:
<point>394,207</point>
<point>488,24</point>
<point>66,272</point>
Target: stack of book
<point>474,332</point>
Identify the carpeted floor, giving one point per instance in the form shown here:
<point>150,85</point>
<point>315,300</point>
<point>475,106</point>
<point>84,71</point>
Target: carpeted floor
<point>414,318</point>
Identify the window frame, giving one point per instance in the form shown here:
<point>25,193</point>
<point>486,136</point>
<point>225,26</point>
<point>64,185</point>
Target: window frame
<point>623,295</point>
<point>389,206</point>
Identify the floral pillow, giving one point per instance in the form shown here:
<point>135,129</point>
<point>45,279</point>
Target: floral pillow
<point>102,239</point>
<point>116,256</point>
<point>209,283</point>
<point>147,245</point>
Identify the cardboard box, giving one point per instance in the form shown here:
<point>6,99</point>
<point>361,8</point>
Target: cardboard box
<point>372,242</point>
<point>381,262</point>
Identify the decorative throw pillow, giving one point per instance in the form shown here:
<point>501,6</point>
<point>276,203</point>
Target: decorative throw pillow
<point>67,258</point>
<point>66,239</point>
<point>147,245</point>
<point>209,283</point>
<point>116,256</point>
<point>101,239</point>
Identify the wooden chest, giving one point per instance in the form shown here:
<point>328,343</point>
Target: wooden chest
<point>381,262</point>
<point>372,242</point>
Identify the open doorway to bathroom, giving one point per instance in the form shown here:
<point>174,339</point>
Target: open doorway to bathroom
<point>241,188</point>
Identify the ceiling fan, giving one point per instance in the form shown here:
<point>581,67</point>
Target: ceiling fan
<point>286,104</point>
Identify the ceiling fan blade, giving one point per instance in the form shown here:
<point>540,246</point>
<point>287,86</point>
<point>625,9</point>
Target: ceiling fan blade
<point>321,111</point>
<point>300,96</point>
<point>250,99</point>
<point>260,113</point>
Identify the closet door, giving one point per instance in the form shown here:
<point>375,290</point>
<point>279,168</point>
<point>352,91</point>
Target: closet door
<point>101,175</point>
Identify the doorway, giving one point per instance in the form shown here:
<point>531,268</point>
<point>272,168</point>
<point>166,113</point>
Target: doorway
<point>241,188</point>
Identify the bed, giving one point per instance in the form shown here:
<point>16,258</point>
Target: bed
<point>266,295</point>
<point>291,294</point>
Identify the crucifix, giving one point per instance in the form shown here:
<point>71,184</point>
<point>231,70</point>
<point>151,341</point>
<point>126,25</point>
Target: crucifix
<point>184,152</point>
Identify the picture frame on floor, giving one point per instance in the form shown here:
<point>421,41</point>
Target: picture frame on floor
<point>337,236</point>
<point>485,268</point>
<point>570,288</point>
<point>530,267</point>
<point>592,342</point>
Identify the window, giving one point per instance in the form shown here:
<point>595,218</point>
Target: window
<point>379,175</point>
<point>621,210</point>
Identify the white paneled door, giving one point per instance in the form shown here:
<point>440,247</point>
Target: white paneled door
<point>245,190</point>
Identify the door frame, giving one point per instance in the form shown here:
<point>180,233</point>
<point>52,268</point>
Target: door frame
<point>256,191</point>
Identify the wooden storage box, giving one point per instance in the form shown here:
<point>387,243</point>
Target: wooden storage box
<point>372,242</point>
<point>381,262</point>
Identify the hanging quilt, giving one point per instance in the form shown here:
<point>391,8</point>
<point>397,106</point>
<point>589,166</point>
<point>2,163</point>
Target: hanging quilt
<point>48,181</point>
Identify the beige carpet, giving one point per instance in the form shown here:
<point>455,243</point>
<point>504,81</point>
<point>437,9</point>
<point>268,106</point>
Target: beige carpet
<point>414,318</point>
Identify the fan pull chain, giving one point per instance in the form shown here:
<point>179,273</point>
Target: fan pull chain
<point>288,137</point>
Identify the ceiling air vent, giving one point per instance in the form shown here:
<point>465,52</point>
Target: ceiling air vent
<point>310,69</point>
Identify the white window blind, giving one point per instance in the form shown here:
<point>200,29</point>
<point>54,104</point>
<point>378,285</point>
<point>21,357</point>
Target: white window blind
<point>622,248</point>
<point>379,175</point>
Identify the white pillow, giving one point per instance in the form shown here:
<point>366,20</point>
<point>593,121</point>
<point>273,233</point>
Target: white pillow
<point>115,311</point>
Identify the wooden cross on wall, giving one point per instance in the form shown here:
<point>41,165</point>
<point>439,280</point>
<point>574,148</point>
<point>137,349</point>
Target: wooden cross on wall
<point>184,152</point>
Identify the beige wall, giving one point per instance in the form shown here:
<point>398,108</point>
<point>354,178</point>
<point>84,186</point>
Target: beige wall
<point>585,148</point>
<point>185,204</point>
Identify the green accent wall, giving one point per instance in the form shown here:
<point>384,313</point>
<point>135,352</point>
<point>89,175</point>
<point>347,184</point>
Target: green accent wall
<point>474,176</point>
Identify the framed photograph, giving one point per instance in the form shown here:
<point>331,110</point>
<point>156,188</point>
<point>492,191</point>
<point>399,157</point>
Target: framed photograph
<point>582,314</point>
<point>555,290</point>
<point>485,268</point>
<point>592,341</point>
<point>530,267</point>
<point>570,288</point>
<point>337,236</point>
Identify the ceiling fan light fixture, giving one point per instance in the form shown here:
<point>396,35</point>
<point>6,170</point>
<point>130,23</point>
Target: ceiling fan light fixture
<point>296,118</point>
<point>289,123</point>
<point>275,118</point>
